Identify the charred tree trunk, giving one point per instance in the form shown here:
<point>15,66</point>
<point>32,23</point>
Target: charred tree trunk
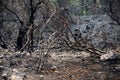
<point>20,38</point>
<point>31,23</point>
<point>28,33</point>
<point>94,1</point>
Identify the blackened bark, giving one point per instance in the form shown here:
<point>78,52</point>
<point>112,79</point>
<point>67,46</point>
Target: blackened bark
<point>24,28</point>
<point>20,38</point>
<point>31,44</point>
<point>94,1</point>
<point>31,22</point>
<point>22,32</point>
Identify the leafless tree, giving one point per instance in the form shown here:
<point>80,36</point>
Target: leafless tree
<point>26,14</point>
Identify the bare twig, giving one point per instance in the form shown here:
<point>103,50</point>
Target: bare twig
<point>21,22</point>
<point>44,55</point>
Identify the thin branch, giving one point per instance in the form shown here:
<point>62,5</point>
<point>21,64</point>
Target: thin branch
<point>14,14</point>
<point>38,3</point>
<point>47,21</point>
<point>7,20</point>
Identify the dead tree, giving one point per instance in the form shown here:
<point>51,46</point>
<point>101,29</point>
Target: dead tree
<point>26,29</point>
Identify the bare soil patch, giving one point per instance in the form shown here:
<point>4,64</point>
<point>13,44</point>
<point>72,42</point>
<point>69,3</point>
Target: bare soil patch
<point>64,65</point>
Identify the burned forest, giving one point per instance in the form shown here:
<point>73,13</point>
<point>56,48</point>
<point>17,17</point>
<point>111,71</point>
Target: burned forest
<point>59,40</point>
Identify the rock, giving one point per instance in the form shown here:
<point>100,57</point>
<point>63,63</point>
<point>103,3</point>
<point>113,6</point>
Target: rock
<point>41,76</point>
<point>15,71</point>
<point>18,52</point>
<point>4,76</point>
<point>13,74</point>
<point>82,54</point>
<point>1,56</point>
<point>54,67</point>
<point>117,68</point>
<point>28,54</point>
<point>110,55</point>
<point>15,77</point>
<point>85,54</point>
<point>1,68</point>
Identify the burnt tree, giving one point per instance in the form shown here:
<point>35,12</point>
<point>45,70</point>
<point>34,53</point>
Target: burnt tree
<point>26,29</point>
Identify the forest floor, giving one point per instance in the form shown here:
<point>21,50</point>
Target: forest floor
<point>65,65</point>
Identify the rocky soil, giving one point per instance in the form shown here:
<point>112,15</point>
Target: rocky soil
<point>65,65</point>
